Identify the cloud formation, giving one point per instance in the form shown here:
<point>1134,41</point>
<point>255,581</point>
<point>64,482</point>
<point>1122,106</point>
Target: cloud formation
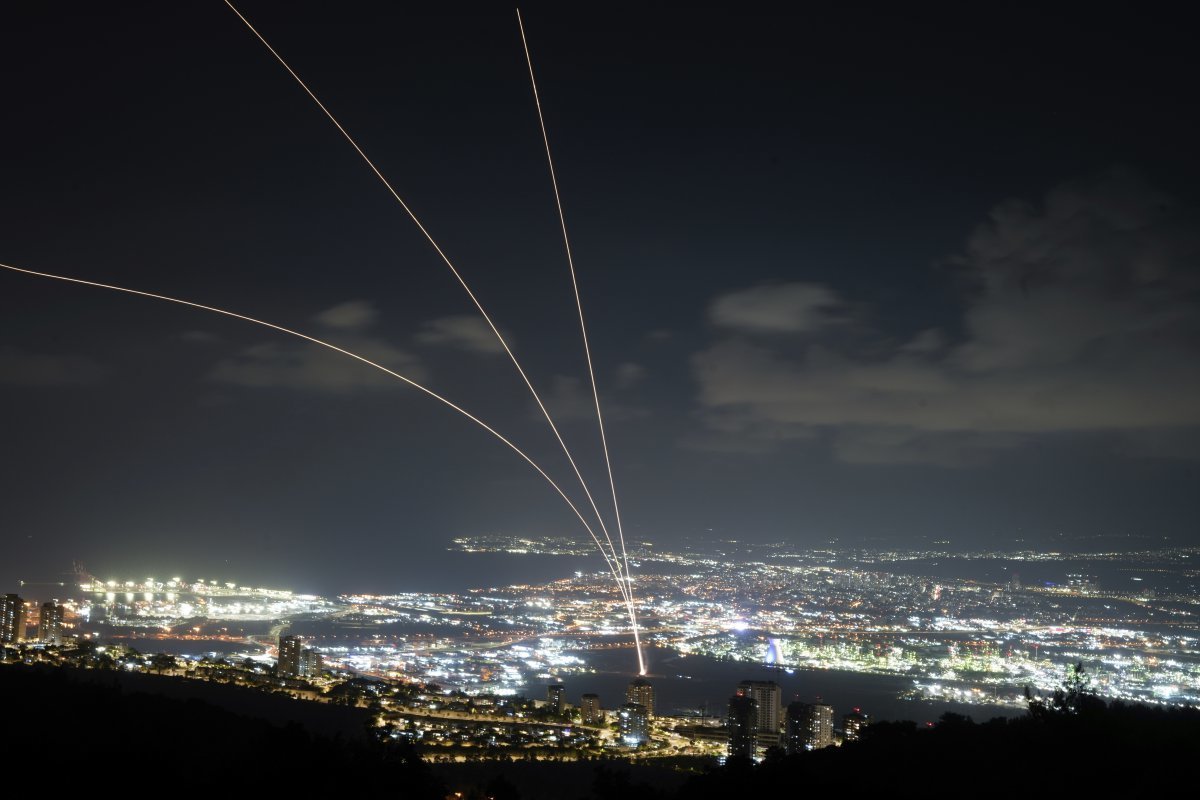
<point>352,315</point>
<point>1078,315</point>
<point>777,308</point>
<point>570,400</point>
<point>287,365</point>
<point>465,331</point>
<point>629,375</point>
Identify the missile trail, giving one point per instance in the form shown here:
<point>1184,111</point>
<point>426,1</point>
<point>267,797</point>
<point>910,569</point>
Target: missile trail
<point>587,350</point>
<point>446,259</point>
<point>613,568</point>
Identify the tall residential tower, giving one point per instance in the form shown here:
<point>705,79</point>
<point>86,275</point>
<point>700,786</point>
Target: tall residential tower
<point>12,619</point>
<point>641,692</point>
<point>50,623</point>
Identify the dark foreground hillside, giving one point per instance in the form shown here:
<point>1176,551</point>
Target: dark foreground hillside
<point>59,723</point>
<point>1091,749</point>
<point>1071,752</point>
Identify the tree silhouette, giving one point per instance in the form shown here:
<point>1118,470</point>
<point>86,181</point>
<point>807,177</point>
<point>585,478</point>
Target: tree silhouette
<point>161,662</point>
<point>1074,697</point>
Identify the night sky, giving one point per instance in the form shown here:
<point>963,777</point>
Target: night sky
<point>885,278</point>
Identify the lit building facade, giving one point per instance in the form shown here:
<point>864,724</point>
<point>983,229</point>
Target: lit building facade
<point>769,699</point>
<point>556,697</point>
<point>809,727</point>
<point>641,692</point>
<point>589,710</point>
<point>821,726</point>
<point>291,648</point>
<point>50,623</point>
<point>311,663</point>
<point>852,725</point>
<point>12,619</point>
<point>633,724</point>
<point>741,724</point>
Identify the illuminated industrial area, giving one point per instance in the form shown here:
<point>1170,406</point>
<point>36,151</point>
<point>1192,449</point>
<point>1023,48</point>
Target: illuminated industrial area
<point>534,666</point>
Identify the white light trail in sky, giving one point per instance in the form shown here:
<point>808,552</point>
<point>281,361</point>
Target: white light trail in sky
<point>587,350</point>
<point>612,565</point>
<point>446,259</point>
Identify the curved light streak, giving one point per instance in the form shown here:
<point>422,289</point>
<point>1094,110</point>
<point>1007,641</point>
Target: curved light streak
<point>587,350</point>
<point>613,568</point>
<point>446,259</point>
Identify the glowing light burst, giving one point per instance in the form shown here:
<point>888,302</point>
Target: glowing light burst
<point>458,276</point>
<point>587,350</point>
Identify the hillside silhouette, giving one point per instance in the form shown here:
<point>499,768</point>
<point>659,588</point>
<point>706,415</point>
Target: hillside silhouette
<point>1069,741</point>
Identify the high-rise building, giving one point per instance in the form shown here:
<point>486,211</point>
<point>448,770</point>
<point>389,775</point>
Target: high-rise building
<point>641,692</point>
<point>311,663</point>
<point>633,724</point>
<point>556,697</point>
<point>12,619</point>
<point>291,649</point>
<point>852,725</point>
<point>589,710</point>
<point>768,697</point>
<point>742,724</point>
<point>795,737</point>
<point>821,730</point>
<point>809,726</point>
<point>50,623</point>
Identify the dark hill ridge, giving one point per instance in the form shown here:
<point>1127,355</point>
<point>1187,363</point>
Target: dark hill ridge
<point>71,722</point>
<point>325,719</point>
<point>86,723</point>
<point>1105,746</point>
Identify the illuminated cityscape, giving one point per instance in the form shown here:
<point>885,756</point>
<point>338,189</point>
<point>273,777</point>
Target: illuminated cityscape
<point>465,673</point>
<point>577,404</point>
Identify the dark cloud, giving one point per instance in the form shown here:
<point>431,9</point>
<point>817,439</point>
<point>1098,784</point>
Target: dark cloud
<point>629,375</point>
<point>352,315</point>
<point>20,368</point>
<point>1078,315</point>
<point>570,400</point>
<point>464,331</point>
<point>282,364</point>
<point>778,308</point>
